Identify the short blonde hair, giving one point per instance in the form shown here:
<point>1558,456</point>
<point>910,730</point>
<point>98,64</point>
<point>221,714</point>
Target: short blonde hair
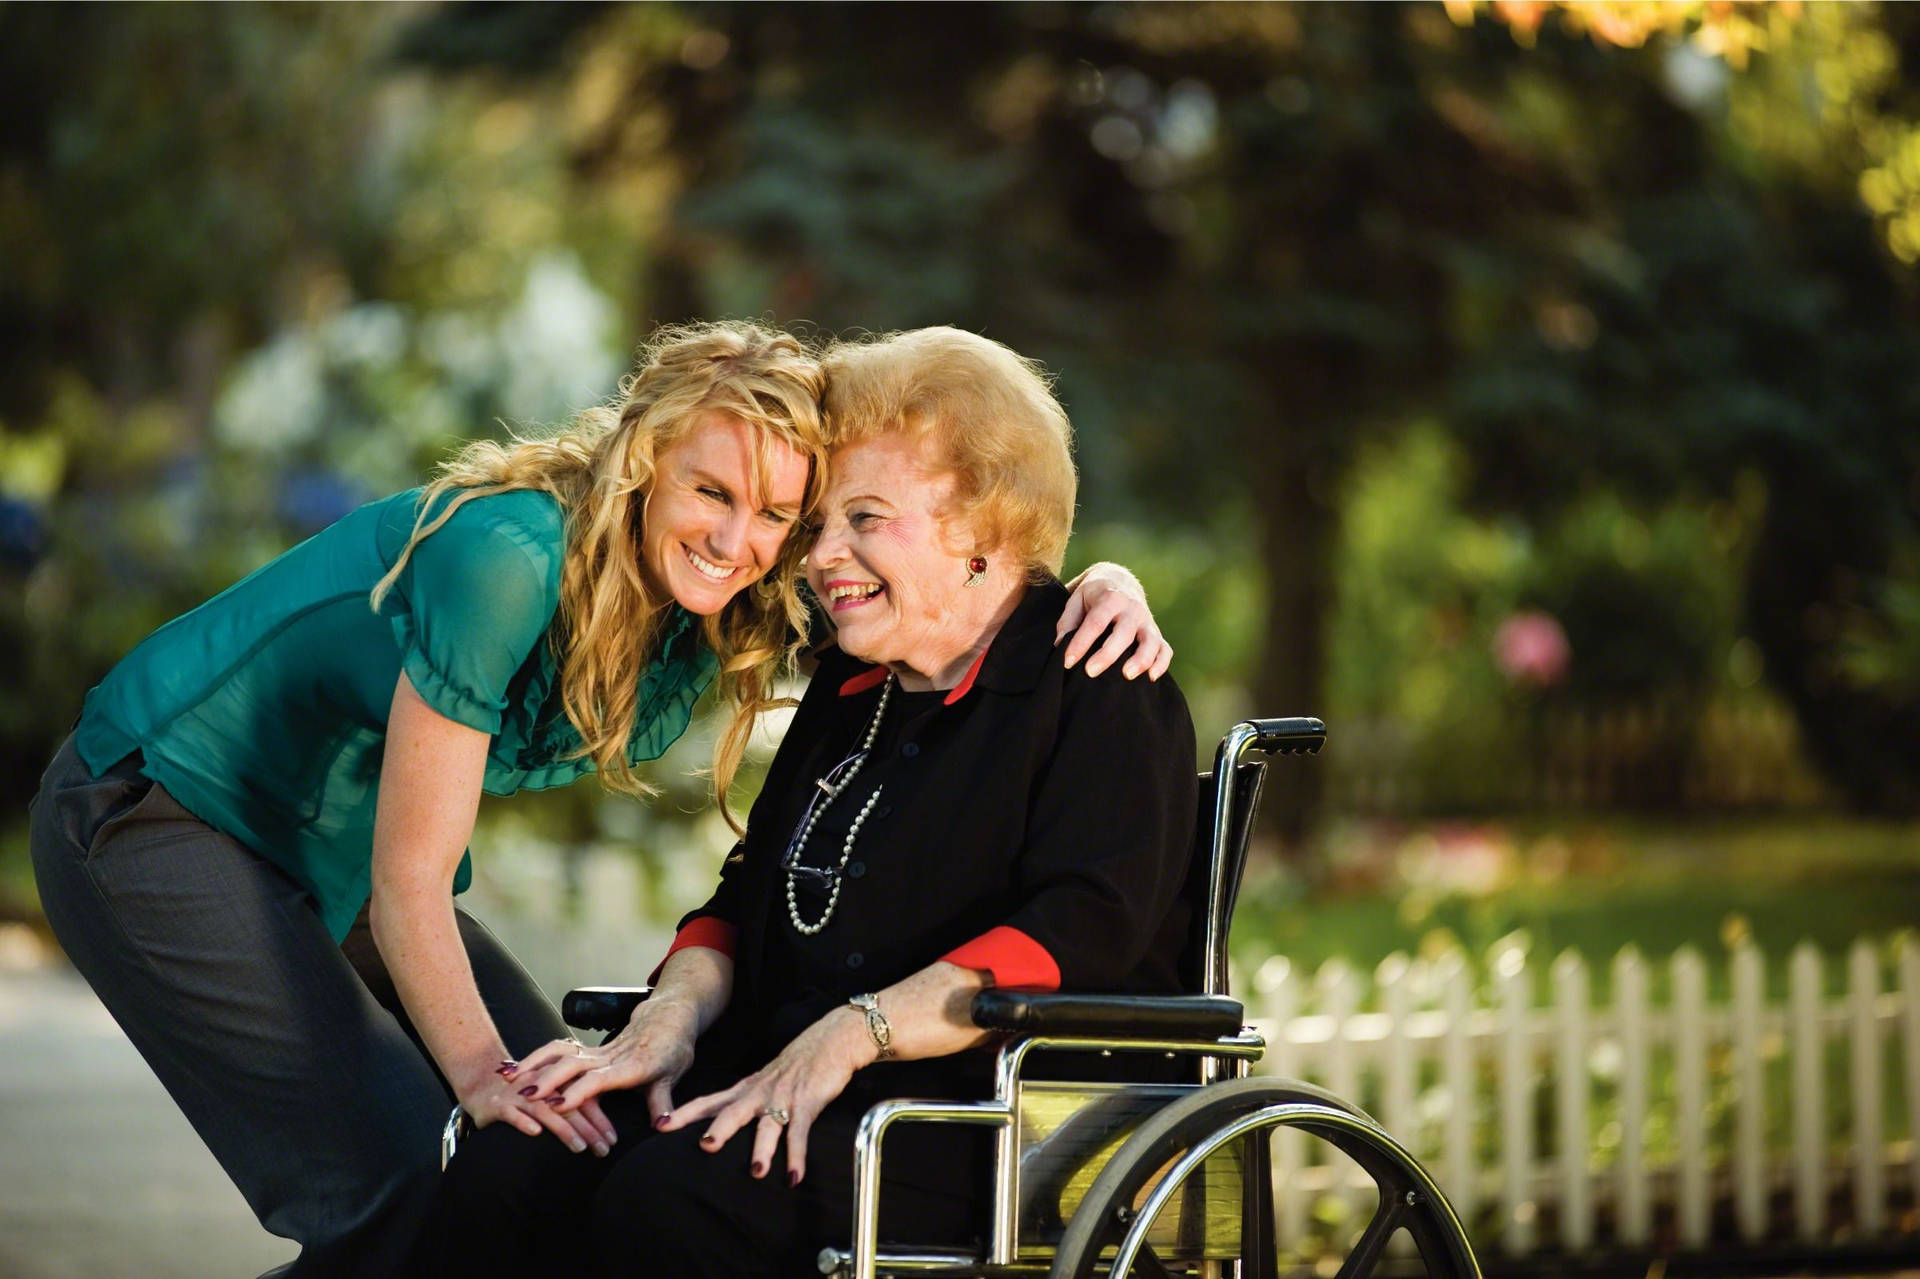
<point>990,417</point>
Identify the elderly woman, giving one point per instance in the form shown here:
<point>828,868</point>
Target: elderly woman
<point>952,808</point>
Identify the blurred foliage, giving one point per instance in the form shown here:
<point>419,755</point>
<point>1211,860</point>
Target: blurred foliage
<point>1428,585</point>
<point>1879,647</point>
<point>1730,29</point>
<point>1379,324</point>
<point>1423,584</point>
<point>1604,561</point>
<point>1594,886</point>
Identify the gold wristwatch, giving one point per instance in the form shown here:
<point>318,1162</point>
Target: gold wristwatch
<point>876,1024</point>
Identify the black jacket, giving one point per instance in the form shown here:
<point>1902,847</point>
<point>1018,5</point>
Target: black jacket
<point>1045,811</point>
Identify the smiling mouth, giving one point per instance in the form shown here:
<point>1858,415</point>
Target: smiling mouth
<point>845,595</point>
<point>707,568</point>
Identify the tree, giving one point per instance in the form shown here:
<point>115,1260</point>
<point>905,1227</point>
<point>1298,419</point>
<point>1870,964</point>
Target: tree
<point>1249,237</point>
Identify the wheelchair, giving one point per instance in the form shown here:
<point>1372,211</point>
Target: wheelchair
<point>1142,1179</point>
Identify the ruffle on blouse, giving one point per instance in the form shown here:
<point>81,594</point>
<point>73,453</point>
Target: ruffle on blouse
<point>669,687</point>
<point>534,742</point>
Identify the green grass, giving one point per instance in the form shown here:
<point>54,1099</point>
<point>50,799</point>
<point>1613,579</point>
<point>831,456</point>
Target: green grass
<point>1593,885</point>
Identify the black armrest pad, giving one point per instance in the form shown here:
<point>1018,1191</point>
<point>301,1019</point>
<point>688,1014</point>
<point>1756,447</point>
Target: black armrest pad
<point>602,1007</point>
<point>1108,1016</point>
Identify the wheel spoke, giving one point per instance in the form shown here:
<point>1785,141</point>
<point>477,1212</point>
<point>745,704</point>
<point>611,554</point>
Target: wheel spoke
<point>1373,1240</point>
<point>1434,1246</point>
<point>1259,1240</point>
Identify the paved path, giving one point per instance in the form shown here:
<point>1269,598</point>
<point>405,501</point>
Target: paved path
<point>100,1176</point>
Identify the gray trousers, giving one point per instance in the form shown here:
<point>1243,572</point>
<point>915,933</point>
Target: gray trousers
<point>290,1055</point>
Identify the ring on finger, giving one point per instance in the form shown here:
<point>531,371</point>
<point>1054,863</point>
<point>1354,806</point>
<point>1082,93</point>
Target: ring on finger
<point>778,1114</point>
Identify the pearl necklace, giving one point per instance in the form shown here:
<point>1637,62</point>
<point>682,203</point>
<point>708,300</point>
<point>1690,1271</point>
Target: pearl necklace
<point>814,810</point>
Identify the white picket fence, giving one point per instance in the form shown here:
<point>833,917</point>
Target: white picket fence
<point>1556,1124</point>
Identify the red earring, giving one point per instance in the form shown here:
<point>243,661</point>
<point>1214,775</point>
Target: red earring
<point>977,566</point>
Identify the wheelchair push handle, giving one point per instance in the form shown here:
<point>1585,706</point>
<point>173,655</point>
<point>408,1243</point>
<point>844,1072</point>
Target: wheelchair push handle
<point>607,1008</point>
<point>1295,735</point>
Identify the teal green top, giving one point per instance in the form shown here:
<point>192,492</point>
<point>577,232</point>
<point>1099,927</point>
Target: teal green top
<point>264,711</point>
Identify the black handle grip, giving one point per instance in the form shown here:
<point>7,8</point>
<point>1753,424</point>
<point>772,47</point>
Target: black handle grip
<point>602,1007</point>
<point>1298,735</point>
<point>1107,1016</point>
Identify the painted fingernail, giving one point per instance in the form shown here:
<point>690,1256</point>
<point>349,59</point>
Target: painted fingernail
<point>602,1149</point>
<point>793,1178</point>
<point>528,1091</point>
<point>661,1122</point>
<point>709,1140</point>
<point>505,1068</point>
<point>759,1169</point>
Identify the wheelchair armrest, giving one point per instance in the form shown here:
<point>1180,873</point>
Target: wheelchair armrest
<point>1108,1016</point>
<point>602,1007</point>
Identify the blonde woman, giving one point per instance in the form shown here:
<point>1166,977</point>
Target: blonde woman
<point>251,842</point>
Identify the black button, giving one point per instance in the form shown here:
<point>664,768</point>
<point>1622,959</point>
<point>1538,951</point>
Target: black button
<point>856,959</point>
<point>910,749</point>
<point>856,869</point>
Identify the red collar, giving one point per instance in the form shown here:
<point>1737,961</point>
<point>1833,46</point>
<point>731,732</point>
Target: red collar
<point>874,675</point>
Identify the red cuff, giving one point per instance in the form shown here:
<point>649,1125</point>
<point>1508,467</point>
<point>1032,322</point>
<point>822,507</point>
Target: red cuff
<point>1011,957</point>
<point>703,930</point>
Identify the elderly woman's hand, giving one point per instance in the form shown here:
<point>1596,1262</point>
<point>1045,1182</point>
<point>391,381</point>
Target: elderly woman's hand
<point>653,1050</point>
<point>1108,600</point>
<point>787,1094</point>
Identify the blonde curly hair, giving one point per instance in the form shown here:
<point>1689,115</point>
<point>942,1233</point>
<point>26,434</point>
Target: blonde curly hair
<point>600,468</point>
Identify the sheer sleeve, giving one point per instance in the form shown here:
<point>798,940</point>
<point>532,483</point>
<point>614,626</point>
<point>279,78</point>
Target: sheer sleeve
<point>478,600</point>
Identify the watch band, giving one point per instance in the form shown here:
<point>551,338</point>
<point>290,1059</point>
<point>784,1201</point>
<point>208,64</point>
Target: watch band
<point>877,1026</point>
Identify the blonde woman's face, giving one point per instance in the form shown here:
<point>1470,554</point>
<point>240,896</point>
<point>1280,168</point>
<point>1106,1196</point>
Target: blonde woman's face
<point>710,532</point>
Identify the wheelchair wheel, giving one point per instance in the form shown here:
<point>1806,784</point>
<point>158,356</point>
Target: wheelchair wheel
<point>1130,1193</point>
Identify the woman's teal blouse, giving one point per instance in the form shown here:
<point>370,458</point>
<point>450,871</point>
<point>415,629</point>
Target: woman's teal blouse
<point>264,711</point>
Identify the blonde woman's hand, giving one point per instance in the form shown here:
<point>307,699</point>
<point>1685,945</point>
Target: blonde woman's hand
<point>1109,601</point>
<point>653,1050</point>
<point>500,1098</point>
<point>784,1097</point>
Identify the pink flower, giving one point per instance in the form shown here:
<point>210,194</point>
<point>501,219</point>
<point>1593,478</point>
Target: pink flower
<point>1531,648</point>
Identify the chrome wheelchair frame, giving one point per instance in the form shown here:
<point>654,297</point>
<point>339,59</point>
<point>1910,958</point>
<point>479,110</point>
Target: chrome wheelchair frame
<point>1140,1179</point>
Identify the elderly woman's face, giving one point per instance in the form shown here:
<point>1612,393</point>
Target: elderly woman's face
<point>888,566</point>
